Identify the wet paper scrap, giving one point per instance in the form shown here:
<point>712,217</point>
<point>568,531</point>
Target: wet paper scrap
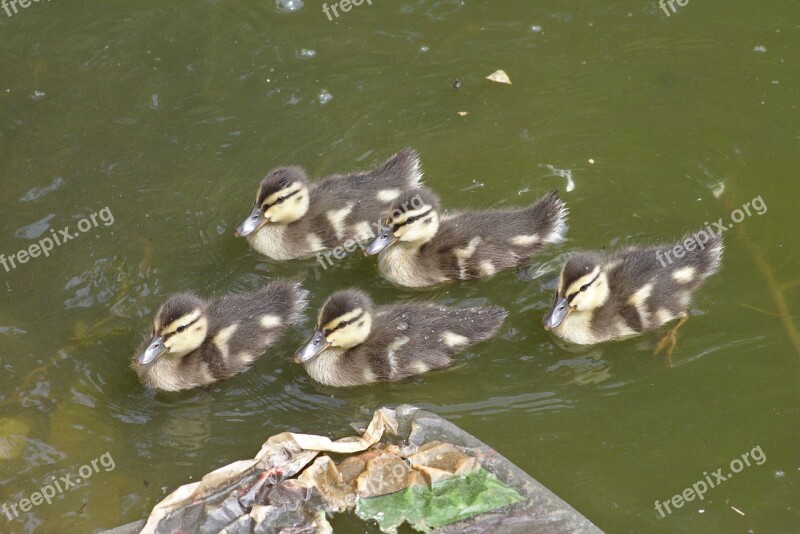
<point>408,466</point>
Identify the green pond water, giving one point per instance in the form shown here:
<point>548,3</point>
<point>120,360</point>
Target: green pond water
<point>169,113</point>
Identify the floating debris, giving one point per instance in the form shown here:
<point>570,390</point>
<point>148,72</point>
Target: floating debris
<point>565,173</point>
<point>463,113</point>
<point>429,484</point>
<point>38,192</point>
<point>306,53</point>
<point>717,189</point>
<point>475,185</point>
<point>324,97</point>
<point>289,6</point>
<point>11,330</point>
<point>760,48</point>
<point>536,28</point>
<point>499,76</point>
<point>34,230</point>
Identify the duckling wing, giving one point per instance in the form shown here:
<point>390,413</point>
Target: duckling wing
<point>410,339</point>
<point>478,244</point>
<point>243,326</point>
<point>352,206</point>
<point>646,292</point>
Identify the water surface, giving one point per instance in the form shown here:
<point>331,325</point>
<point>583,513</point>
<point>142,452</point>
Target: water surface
<point>168,114</point>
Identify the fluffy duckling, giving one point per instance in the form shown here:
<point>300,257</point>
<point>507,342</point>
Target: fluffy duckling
<point>419,247</point>
<point>293,218</point>
<point>358,343</point>
<point>630,291</point>
<point>196,342</point>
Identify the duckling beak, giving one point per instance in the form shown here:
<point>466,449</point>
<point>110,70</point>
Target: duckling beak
<point>384,240</point>
<point>251,223</point>
<point>312,348</point>
<point>155,349</point>
<point>557,315</point>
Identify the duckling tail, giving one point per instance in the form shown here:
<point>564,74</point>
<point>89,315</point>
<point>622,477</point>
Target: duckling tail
<point>485,322</point>
<point>495,317</point>
<point>402,169</point>
<point>291,297</point>
<point>549,217</point>
<point>710,254</point>
<point>699,252</point>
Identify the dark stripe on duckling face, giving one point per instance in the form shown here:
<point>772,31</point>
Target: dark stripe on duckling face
<point>342,324</point>
<point>182,328</point>
<point>412,219</point>
<point>584,287</point>
<point>281,199</point>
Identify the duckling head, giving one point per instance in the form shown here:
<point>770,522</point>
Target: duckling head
<point>282,198</point>
<point>582,287</point>
<point>413,218</point>
<point>344,322</point>
<point>180,326</point>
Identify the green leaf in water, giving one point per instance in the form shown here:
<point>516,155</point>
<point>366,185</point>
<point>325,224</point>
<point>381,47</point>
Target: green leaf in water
<point>446,501</point>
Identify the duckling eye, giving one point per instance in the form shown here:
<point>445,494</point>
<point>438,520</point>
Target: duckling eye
<point>181,329</point>
<point>410,220</point>
<point>280,200</point>
<point>584,287</point>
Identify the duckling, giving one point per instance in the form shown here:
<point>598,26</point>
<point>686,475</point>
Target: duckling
<point>418,247</point>
<point>357,343</point>
<point>196,342</point>
<point>631,291</point>
<point>293,218</point>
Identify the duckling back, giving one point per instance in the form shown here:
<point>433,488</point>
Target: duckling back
<point>244,326</point>
<point>351,206</point>
<point>407,340</point>
<point>644,293</point>
<point>492,241</point>
<point>418,338</point>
